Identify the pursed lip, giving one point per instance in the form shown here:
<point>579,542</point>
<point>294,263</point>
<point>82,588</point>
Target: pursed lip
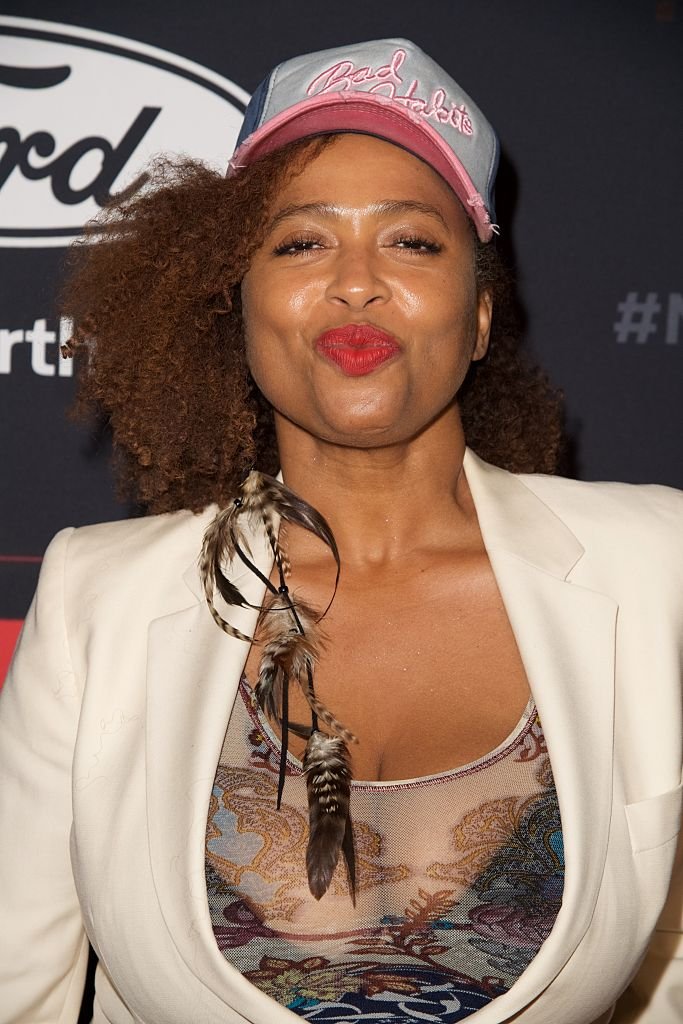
<point>357,349</point>
<point>356,336</point>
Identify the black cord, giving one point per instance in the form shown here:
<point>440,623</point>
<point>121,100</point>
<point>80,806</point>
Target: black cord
<point>284,742</point>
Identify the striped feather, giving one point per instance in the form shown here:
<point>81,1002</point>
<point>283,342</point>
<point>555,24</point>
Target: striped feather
<point>268,500</point>
<point>287,652</point>
<point>328,783</point>
<point>212,558</point>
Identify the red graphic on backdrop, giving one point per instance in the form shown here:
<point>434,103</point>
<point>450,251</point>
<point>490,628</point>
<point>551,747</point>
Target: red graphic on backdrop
<point>9,631</point>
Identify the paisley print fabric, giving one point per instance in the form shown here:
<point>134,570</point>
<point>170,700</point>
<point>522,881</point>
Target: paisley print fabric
<point>459,881</point>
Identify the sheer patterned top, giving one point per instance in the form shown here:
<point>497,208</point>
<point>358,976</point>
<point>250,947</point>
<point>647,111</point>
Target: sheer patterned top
<point>459,879</point>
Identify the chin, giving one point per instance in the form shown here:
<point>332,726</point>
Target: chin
<point>362,426</point>
<point>366,432</point>
<point>368,439</point>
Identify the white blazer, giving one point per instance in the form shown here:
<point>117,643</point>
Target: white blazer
<point>113,716</point>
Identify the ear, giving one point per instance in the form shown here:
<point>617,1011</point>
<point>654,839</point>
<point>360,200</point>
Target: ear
<point>484,317</point>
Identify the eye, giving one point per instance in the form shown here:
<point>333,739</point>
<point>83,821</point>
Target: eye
<point>417,244</point>
<point>296,246</point>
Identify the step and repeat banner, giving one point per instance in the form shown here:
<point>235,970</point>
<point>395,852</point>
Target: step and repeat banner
<point>586,98</point>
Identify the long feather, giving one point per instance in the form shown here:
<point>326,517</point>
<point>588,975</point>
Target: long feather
<point>268,497</point>
<point>225,539</point>
<point>259,501</point>
<point>267,501</point>
<point>292,640</point>
<point>262,501</point>
<point>328,782</point>
<point>212,557</point>
<point>326,716</point>
<point>228,591</point>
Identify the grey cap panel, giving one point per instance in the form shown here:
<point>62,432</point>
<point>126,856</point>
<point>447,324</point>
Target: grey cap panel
<point>398,70</point>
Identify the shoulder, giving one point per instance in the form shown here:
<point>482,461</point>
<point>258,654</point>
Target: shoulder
<point>612,509</point>
<point>595,500</point>
<point>147,554</point>
<point>145,537</point>
<point>602,514</point>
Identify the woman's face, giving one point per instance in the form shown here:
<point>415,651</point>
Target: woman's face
<point>370,240</point>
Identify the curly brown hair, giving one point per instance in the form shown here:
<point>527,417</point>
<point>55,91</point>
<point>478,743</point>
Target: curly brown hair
<point>154,295</point>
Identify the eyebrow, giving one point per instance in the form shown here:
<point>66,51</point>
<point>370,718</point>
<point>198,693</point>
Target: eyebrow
<point>386,206</point>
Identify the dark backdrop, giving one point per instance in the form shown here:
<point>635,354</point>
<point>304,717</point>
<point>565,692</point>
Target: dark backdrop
<point>586,98</point>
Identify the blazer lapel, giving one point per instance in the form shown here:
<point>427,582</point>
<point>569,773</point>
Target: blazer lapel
<point>193,672</point>
<point>565,634</point>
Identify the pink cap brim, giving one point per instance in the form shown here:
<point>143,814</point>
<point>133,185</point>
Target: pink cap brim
<point>370,114</point>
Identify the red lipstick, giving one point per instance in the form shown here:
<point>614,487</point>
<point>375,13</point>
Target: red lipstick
<point>357,349</point>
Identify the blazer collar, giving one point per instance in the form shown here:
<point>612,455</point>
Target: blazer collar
<point>565,634</point>
<point>512,518</point>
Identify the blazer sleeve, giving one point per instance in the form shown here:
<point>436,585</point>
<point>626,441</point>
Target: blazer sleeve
<point>43,946</point>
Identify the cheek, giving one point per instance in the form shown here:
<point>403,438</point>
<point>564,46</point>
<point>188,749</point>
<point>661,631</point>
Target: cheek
<point>256,335</point>
<point>450,319</point>
<point>270,339</point>
<point>263,359</point>
<point>255,304</point>
<point>442,301</point>
<point>278,299</point>
<point>257,316</point>
<point>274,309</point>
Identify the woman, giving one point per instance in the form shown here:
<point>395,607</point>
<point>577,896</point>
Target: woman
<point>491,655</point>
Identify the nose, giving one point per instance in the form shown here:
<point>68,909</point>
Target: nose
<point>356,281</point>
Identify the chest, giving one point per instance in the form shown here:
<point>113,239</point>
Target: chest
<point>423,668</point>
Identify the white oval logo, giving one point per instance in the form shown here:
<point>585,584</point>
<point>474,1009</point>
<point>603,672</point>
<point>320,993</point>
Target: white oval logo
<point>82,111</point>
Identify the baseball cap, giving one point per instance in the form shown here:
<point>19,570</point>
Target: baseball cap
<point>388,88</point>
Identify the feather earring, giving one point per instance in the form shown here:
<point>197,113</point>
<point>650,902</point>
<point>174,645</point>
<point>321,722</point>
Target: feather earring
<point>290,634</point>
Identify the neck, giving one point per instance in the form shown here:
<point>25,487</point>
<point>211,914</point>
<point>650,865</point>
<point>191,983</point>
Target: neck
<point>382,503</point>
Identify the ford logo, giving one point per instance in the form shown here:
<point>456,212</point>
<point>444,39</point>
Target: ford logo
<point>81,112</point>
